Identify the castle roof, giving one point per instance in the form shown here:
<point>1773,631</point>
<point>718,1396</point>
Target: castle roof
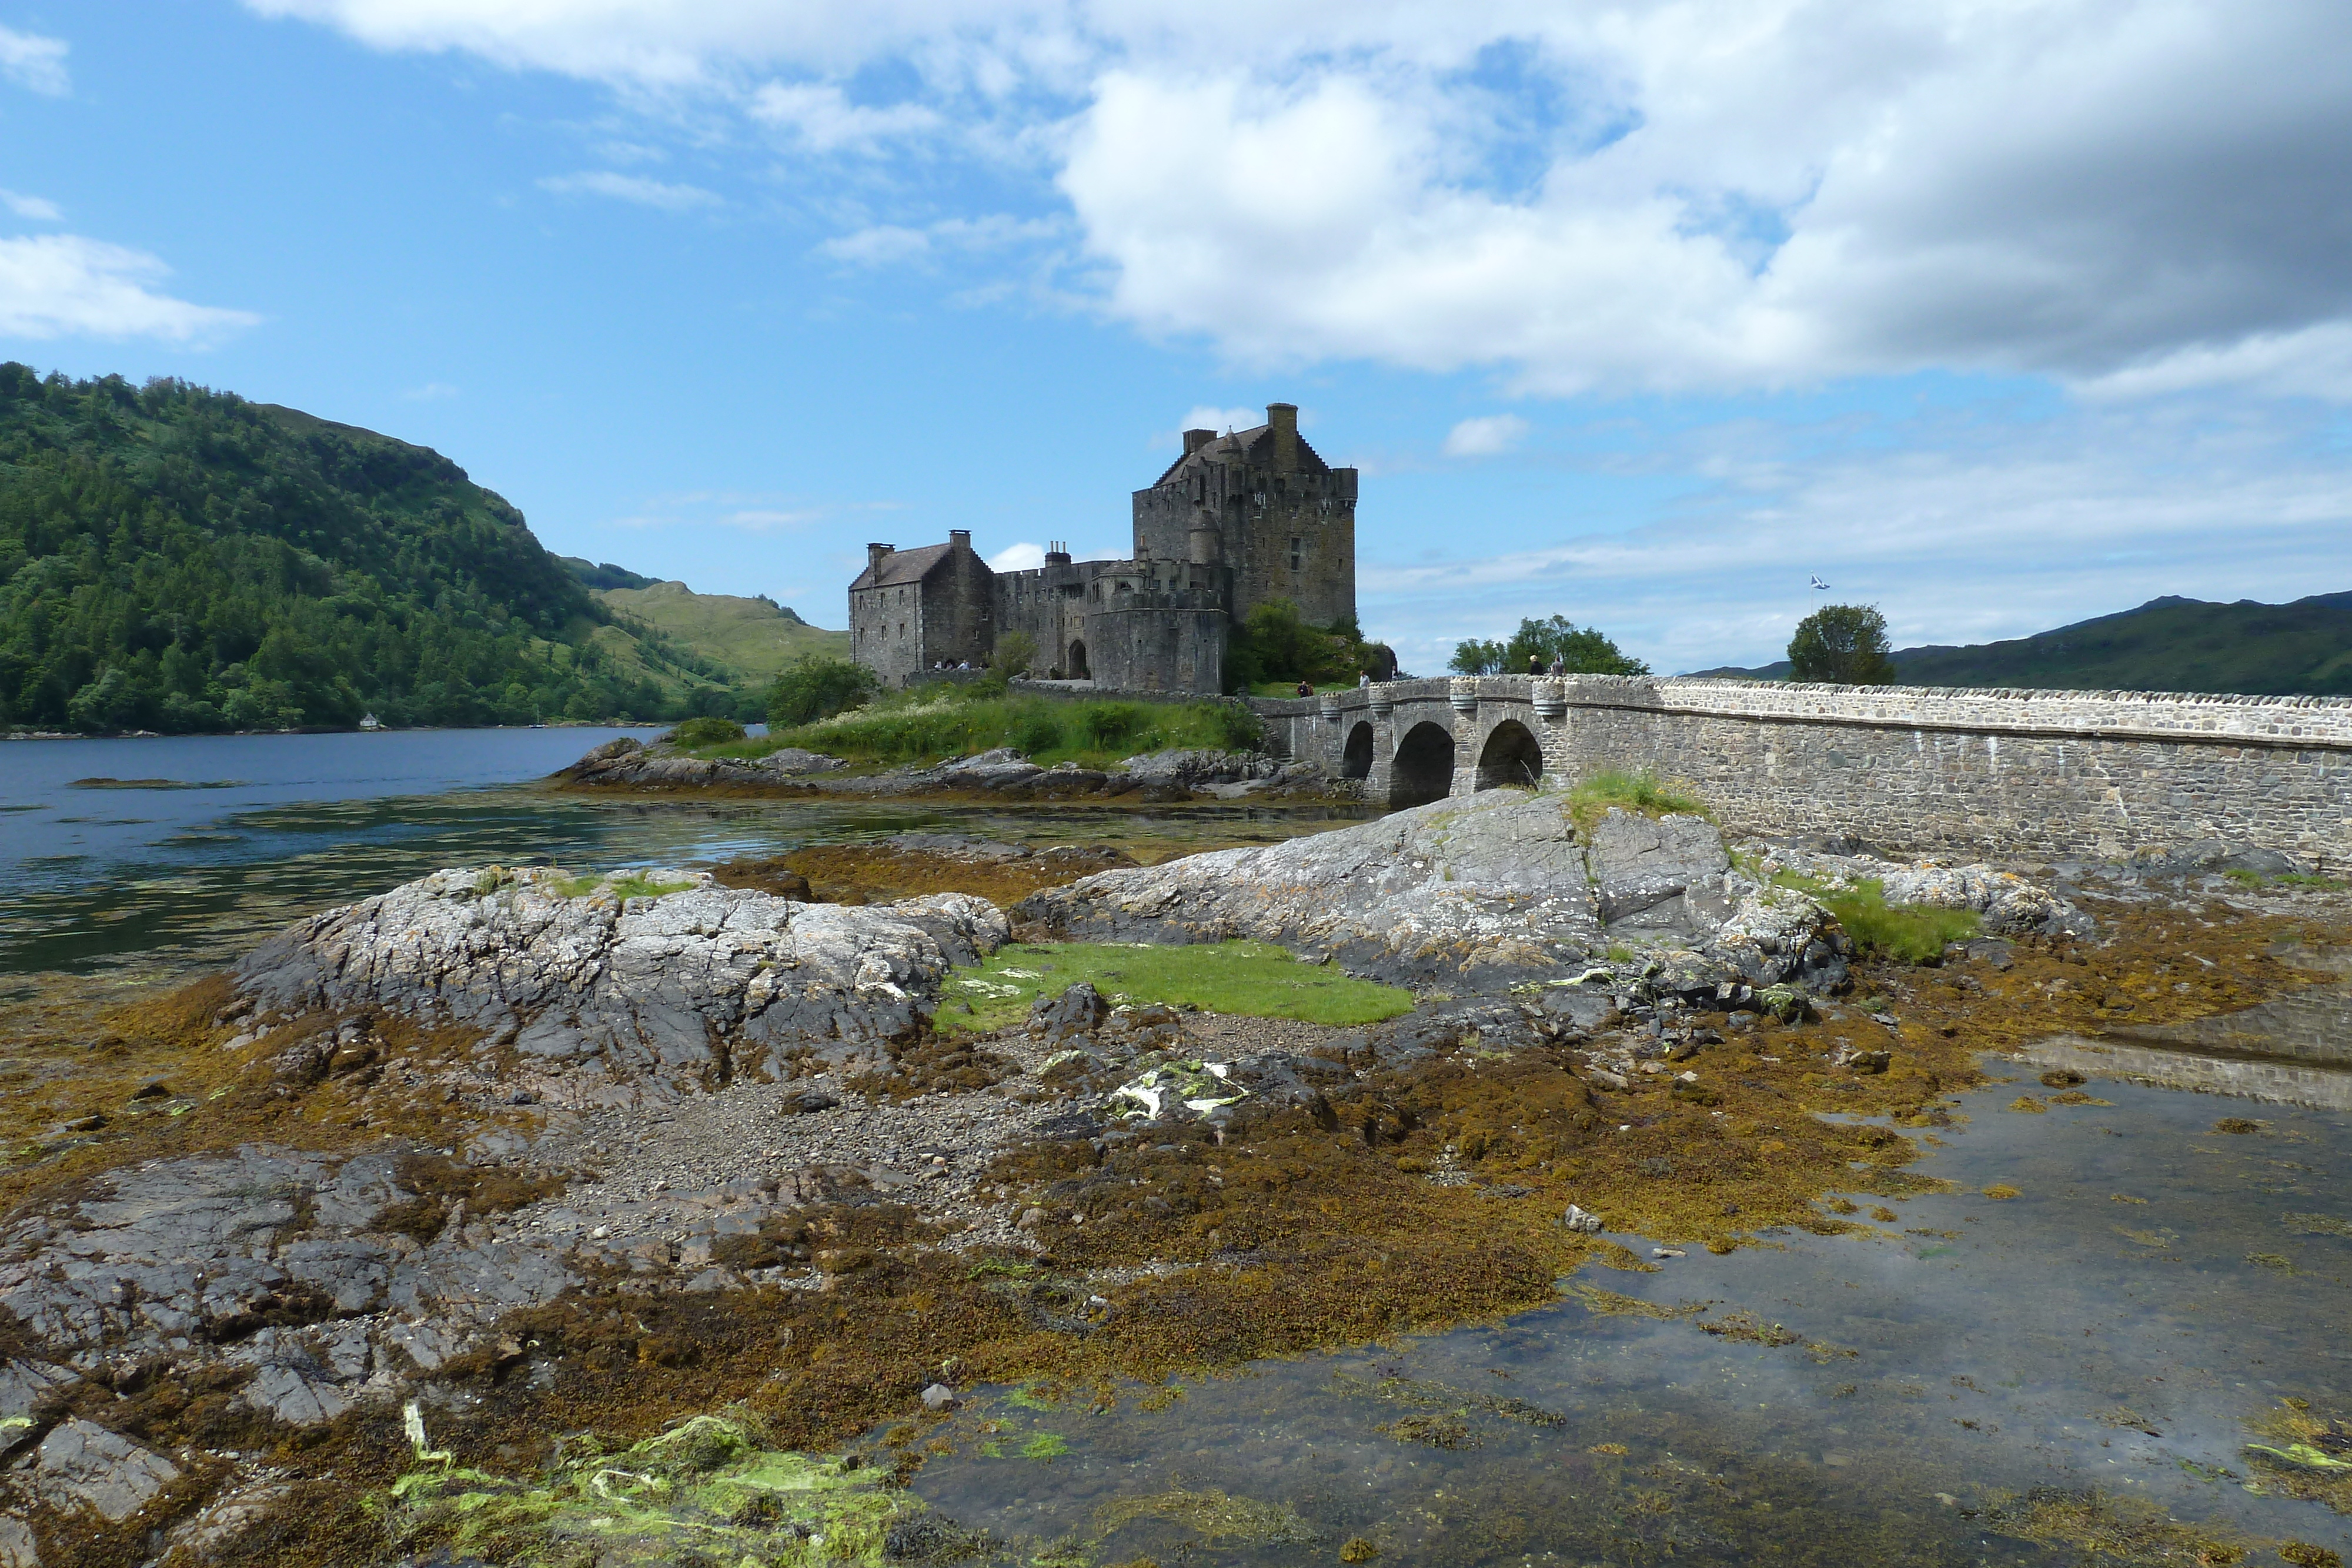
<point>1254,445</point>
<point>902,566</point>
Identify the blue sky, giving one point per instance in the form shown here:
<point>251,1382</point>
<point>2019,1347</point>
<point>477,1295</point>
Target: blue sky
<point>1998,317</point>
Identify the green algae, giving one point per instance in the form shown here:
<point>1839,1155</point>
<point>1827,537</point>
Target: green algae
<point>1218,1518</point>
<point>709,1486</point>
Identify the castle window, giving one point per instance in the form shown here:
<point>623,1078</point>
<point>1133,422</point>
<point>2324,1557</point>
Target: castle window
<point>1297,553</point>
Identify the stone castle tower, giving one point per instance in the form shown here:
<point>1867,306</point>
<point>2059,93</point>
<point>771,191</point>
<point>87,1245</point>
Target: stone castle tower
<point>1238,520</point>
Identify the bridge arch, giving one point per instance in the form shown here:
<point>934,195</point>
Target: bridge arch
<point>1423,769</point>
<point>1512,756</point>
<point>1356,761</point>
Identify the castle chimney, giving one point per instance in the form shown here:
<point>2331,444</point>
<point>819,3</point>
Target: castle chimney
<point>1196,439</point>
<point>875,555</point>
<point>960,538</point>
<point>1283,418</point>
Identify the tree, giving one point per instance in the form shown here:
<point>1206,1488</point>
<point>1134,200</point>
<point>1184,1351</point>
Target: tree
<point>815,688</point>
<point>1474,657</point>
<point>1578,650</point>
<point>1842,643</point>
<point>1015,653</point>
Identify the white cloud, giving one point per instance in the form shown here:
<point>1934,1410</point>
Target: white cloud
<point>1582,193</point>
<point>644,192</point>
<point>1484,437</point>
<point>820,116</point>
<point>1961,531</point>
<point>60,286</point>
<point>35,62</point>
<point>431,391</point>
<point>761,520</point>
<point>885,244</point>
<point>35,209</point>
<point>1023,557</point>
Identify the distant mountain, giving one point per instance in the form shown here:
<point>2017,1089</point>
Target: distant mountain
<point>2168,644</point>
<point>179,559</point>
<point>755,638</point>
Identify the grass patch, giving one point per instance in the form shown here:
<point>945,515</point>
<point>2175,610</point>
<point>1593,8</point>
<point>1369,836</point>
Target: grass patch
<point>1643,792</point>
<point>638,885</point>
<point>1910,933</point>
<point>929,726</point>
<point>1252,979</point>
<point>2284,879</point>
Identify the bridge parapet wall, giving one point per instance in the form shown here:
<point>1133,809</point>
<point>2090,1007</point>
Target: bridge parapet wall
<point>2015,773</point>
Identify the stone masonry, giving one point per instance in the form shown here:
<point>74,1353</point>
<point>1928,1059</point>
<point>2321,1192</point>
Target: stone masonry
<point>1238,520</point>
<point>2037,773</point>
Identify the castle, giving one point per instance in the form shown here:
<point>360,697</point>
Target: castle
<point>1237,520</point>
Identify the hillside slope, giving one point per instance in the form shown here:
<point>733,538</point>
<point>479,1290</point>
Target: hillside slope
<point>180,559</point>
<point>756,638</point>
<point>2168,644</point>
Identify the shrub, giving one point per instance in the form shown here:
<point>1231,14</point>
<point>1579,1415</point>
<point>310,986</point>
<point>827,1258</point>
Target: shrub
<point>1912,933</point>
<point>1110,726</point>
<point>817,688</point>
<point>705,731</point>
<point>1038,731</point>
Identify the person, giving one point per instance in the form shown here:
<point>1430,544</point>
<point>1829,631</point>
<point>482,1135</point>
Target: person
<point>1362,680</point>
<point>1559,665</point>
<point>1307,688</point>
<point>1535,663</point>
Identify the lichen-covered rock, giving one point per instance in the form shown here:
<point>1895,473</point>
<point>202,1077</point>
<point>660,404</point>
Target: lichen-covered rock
<point>1487,893</point>
<point>1486,885</point>
<point>2007,902</point>
<point>686,985</point>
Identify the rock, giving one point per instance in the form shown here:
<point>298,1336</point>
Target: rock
<point>1484,892</point>
<point>635,994</point>
<point>1665,874</point>
<point>1580,1219</point>
<point>2007,902</point>
<point>792,761</point>
<point>2217,857</point>
<point>808,1102</point>
<point>1031,1218</point>
<point>16,1546</point>
<point>82,1465</point>
<point>939,1396</point>
<point>1204,1089</point>
<point>1079,1010</point>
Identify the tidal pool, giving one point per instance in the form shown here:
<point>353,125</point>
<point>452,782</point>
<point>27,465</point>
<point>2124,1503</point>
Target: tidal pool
<point>1983,1380</point>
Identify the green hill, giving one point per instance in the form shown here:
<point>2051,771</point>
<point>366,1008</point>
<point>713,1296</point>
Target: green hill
<point>2168,644</point>
<point>179,559</point>
<point>755,638</point>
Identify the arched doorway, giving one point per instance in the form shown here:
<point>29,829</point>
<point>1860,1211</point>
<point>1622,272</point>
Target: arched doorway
<point>1422,770</point>
<point>1078,671</point>
<point>1356,762</point>
<point>1510,757</point>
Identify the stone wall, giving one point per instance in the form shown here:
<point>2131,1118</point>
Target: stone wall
<point>2014,773</point>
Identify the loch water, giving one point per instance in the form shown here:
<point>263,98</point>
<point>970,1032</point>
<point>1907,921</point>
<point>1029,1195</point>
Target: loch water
<point>186,851</point>
<point>2085,1356</point>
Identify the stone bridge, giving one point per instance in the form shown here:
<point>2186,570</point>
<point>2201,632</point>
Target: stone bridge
<point>2014,773</point>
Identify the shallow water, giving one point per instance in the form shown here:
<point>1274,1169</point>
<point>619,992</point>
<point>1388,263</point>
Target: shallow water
<point>2112,1328</point>
<point>161,880</point>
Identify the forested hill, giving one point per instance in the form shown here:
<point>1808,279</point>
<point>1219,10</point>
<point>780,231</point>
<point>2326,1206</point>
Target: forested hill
<point>177,559</point>
<point>2168,644</point>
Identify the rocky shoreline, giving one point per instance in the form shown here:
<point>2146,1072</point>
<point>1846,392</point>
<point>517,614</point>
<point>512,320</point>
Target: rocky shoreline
<point>1002,774</point>
<point>528,1154</point>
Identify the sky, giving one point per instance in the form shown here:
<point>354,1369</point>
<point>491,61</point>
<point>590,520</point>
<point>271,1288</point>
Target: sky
<point>1996,314</point>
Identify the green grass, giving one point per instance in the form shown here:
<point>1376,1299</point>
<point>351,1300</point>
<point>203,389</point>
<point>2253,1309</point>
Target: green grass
<point>930,725</point>
<point>1913,933</point>
<point>636,884</point>
<point>1254,980</point>
<point>2284,879</point>
<point>748,635</point>
<point>1643,792</point>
